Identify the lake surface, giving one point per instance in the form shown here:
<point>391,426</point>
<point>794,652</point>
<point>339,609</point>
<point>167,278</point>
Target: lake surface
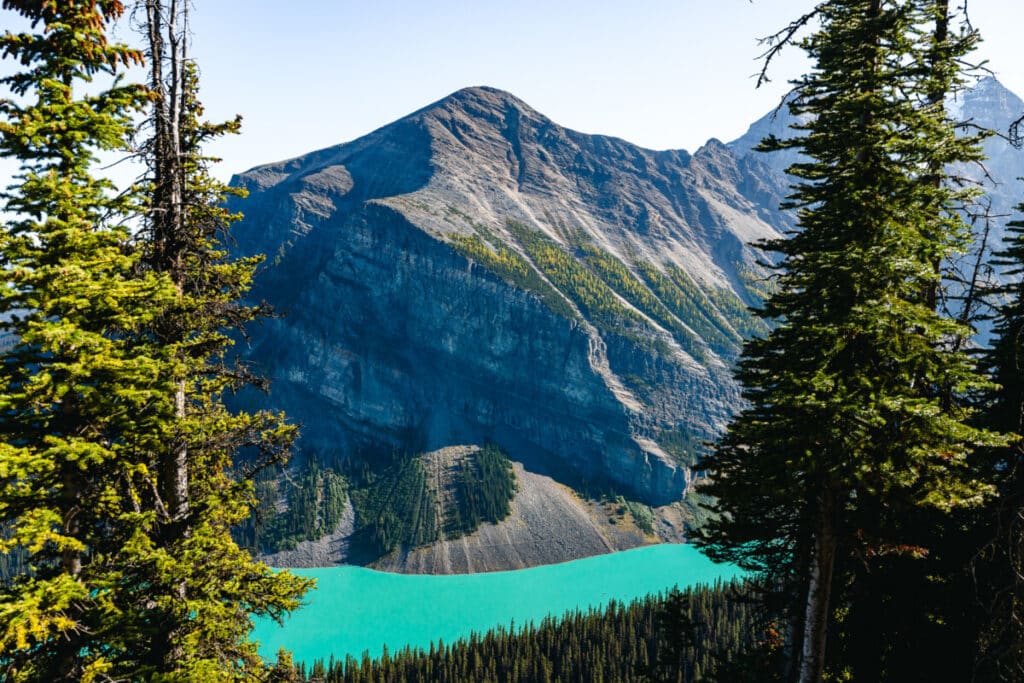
<point>354,609</point>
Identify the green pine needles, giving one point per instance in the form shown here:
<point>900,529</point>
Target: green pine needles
<point>857,416</point>
<point>120,366</point>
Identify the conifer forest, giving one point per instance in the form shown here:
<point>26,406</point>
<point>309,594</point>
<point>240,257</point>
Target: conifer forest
<point>867,479</point>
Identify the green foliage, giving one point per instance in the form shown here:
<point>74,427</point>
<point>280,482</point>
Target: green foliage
<point>857,441</point>
<point>685,299</point>
<point>698,506</point>
<point>199,588</point>
<point>314,500</point>
<point>484,488</point>
<point>594,298</point>
<point>82,372</point>
<point>594,280</point>
<point>739,315</point>
<point>398,508</point>
<point>514,269</point>
<point>642,516</point>
<point>690,633</point>
<point>617,276</point>
<point>118,371</point>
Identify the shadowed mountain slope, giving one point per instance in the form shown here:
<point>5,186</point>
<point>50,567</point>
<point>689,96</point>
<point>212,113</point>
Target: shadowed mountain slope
<point>475,272</point>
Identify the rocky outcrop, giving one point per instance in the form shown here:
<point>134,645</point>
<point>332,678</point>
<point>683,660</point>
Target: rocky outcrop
<point>548,523</point>
<point>400,333</point>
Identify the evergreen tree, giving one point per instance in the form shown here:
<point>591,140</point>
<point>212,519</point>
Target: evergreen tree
<point>998,565</point>
<point>116,470</point>
<point>77,389</point>
<point>199,587</point>
<point>857,419</point>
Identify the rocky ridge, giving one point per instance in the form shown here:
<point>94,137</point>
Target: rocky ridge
<point>476,273</point>
<point>549,523</point>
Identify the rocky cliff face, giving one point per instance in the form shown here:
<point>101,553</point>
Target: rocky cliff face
<point>475,272</point>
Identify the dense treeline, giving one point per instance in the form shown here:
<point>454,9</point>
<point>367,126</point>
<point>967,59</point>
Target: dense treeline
<point>294,505</point>
<point>484,487</point>
<point>682,637</point>
<point>397,507</point>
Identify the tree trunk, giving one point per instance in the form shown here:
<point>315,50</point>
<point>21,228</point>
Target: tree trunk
<point>167,212</point>
<point>819,592</point>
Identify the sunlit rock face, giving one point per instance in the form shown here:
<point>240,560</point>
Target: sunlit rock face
<point>475,272</point>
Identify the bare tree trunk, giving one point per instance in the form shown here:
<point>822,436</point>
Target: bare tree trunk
<point>819,592</point>
<point>937,98</point>
<point>167,213</point>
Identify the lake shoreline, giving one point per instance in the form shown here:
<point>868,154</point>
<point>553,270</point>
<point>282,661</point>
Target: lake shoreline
<point>549,523</point>
<point>357,609</point>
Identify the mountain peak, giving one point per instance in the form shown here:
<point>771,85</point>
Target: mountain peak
<point>478,99</point>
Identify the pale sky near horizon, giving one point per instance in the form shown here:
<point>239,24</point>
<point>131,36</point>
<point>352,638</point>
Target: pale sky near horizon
<point>664,74</point>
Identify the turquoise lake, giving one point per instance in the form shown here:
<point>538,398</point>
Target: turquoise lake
<point>354,609</point>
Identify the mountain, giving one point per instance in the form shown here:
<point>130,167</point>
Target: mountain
<point>476,273</point>
<point>988,104</point>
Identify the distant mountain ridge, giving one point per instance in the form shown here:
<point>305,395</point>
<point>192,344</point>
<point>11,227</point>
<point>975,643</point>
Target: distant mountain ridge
<point>987,105</point>
<point>475,272</point>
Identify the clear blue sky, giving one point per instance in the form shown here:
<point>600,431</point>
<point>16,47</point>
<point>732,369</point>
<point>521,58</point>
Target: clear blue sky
<point>660,73</point>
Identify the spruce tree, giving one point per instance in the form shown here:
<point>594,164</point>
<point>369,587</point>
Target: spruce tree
<point>856,416</point>
<point>199,618</point>
<point>77,389</point>
<point>120,367</point>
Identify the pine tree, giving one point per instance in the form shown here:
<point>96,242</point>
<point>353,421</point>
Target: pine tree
<point>116,472</point>
<point>77,391</point>
<point>200,587</point>
<point>857,418</point>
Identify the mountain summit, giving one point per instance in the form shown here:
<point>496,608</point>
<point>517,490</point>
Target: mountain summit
<point>474,272</point>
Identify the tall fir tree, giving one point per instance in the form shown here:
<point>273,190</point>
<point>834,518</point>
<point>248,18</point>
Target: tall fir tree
<point>857,418</point>
<point>77,389</point>
<point>209,586</point>
<point>121,366</point>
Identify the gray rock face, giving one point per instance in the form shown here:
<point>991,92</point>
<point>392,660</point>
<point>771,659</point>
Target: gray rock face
<point>396,334</point>
<point>475,272</point>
